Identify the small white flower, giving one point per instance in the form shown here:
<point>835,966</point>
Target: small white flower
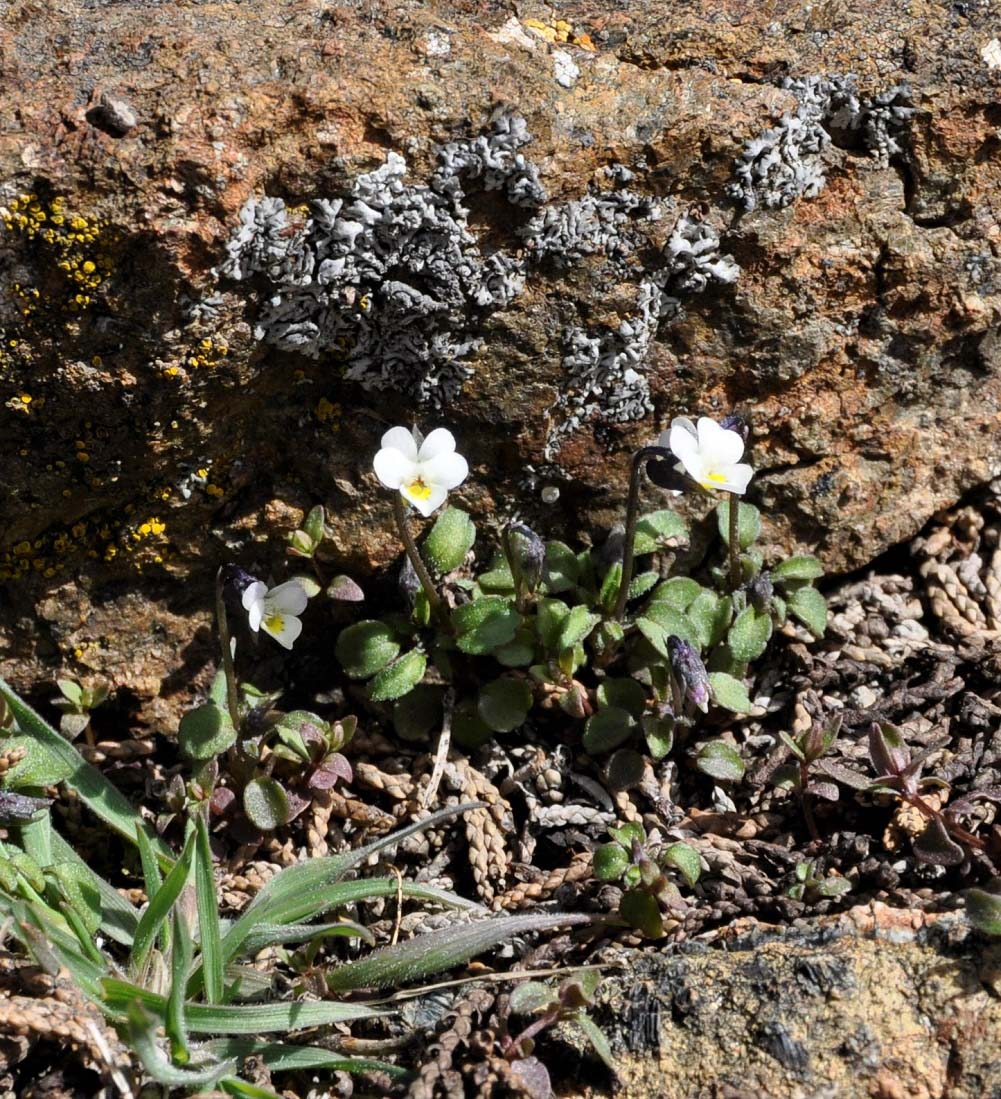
<point>423,472</point>
<point>709,454</point>
<point>276,611</point>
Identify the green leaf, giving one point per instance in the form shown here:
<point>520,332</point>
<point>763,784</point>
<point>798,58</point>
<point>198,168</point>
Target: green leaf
<point>209,929</point>
<point>748,523</point>
<point>607,729</point>
<point>577,625</point>
<point>659,733</point>
<point>158,909</point>
<point>625,693</point>
<point>596,1036</point>
<point>450,539</point>
<point>720,761</point>
<point>642,583</point>
<point>283,1057</point>
<point>749,634</point>
<point>641,911</point>
<point>119,919</point>
<point>610,862</point>
<point>71,691</point>
<point>504,704</point>
<point>561,569</point>
<point>240,1018</point>
<point>610,587</point>
<point>683,858</point>
<point>206,732</point>
<point>437,951</point>
<point>80,893</point>
<point>531,998</point>
<point>418,713</point>
<point>983,910</point>
<point>678,592</point>
<point>729,693</point>
<point>400,677</point>
<point>551,615</point>
<point>366,648</point>
<point>485,624</point>
<point>498,577</point>
<point>265,803</point>
<point>469,730</point>
<point>518,653</point>
<point>141,1037</point>
<point>671,621</point>
<point>710,617</point>
<point>655,634</point>
<point>655,530</point>
<point>810,607</point>
<point>180,963</point>
<point>800,567</point>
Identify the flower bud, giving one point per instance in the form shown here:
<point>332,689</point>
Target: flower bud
<point>234,581</point>
<point>690,672</point>
<point>529,552</point>
<point>760,591</point>
<point>408,581</point>
<point>736,423</point>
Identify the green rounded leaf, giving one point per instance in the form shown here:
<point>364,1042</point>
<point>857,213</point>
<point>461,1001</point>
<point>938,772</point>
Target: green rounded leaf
<point>641,911</point>
<point>607,729</point>
<point>519,653</point>
<point>206,732</point>
<point>983,910</point>
<point>800,567</point>
<point>550,616</point>
<point>504,704</point>
<point>485,624</point>
<point>400,677</point>
<point>749,634</point>
<point>748,523</point>
<point>656,530</point>
<point>610,862</point>
<point>642,583</point>
<point>671,621</point>
<point>530,998</point>
<point>710,616</point>
<point>265,803</point>
<point>561,568</point>
<point>469,730</point>
<point>418,713</point>
<point>683,858</point>
<point>659,733</point>
<point>365,648</point>
<point>720,761</point>
<point>578,624</point>
<point>810,607</point>
<point>450,539</point>
<point>627,694</point>
<point>678,592</point>
<point>729,693</point>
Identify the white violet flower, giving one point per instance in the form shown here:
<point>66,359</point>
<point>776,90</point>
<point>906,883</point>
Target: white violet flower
<point>422,471</point>
<point>709,454</point>
<point>276,611</point>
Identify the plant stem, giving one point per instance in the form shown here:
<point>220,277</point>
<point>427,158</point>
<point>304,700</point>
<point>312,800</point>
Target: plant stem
<point>734,541</point>
<point>400,514</point>
<point>228,667</point>
<point>632,508</point>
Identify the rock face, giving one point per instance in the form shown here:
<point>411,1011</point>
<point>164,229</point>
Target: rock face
<point>242,239</point>
<point>875,1002</point>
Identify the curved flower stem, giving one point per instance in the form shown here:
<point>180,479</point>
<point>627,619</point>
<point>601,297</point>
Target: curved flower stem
<point>734,541</point>
<point>228,667</point>
<point>640,459</point>
<point>400,514</point>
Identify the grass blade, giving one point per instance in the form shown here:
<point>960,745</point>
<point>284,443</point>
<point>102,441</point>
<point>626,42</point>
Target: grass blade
<point>268,934</point>
<point>158,909</point>
<point>119,919</point>
<point>141,1031</point>
<point>237,1019</point>
<point>283,1057</point>
<point>209,932</point>
<point>439,950</point>
<point>180,962</point>
<point>93,789</point>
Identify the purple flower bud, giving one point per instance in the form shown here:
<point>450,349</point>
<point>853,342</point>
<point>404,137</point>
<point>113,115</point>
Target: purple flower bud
<point>760,590</point>
<point>408,581</point>
<point>529,551</point>
<point>234,581</point>
<point>690,672</point>
<point>610,552</point>
<point>736,423</point>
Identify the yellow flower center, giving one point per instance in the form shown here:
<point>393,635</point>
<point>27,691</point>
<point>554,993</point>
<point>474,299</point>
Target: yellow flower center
<point>713,479</point>
<point>418,490</point>
<point>274,623</point>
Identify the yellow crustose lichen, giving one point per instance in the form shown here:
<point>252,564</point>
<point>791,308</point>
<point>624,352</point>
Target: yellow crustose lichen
<point>75,245</point>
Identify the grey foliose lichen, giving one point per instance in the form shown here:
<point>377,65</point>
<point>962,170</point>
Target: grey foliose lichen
<point>786,161</point>
<point>604,371</point>
<point>389,279</point>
